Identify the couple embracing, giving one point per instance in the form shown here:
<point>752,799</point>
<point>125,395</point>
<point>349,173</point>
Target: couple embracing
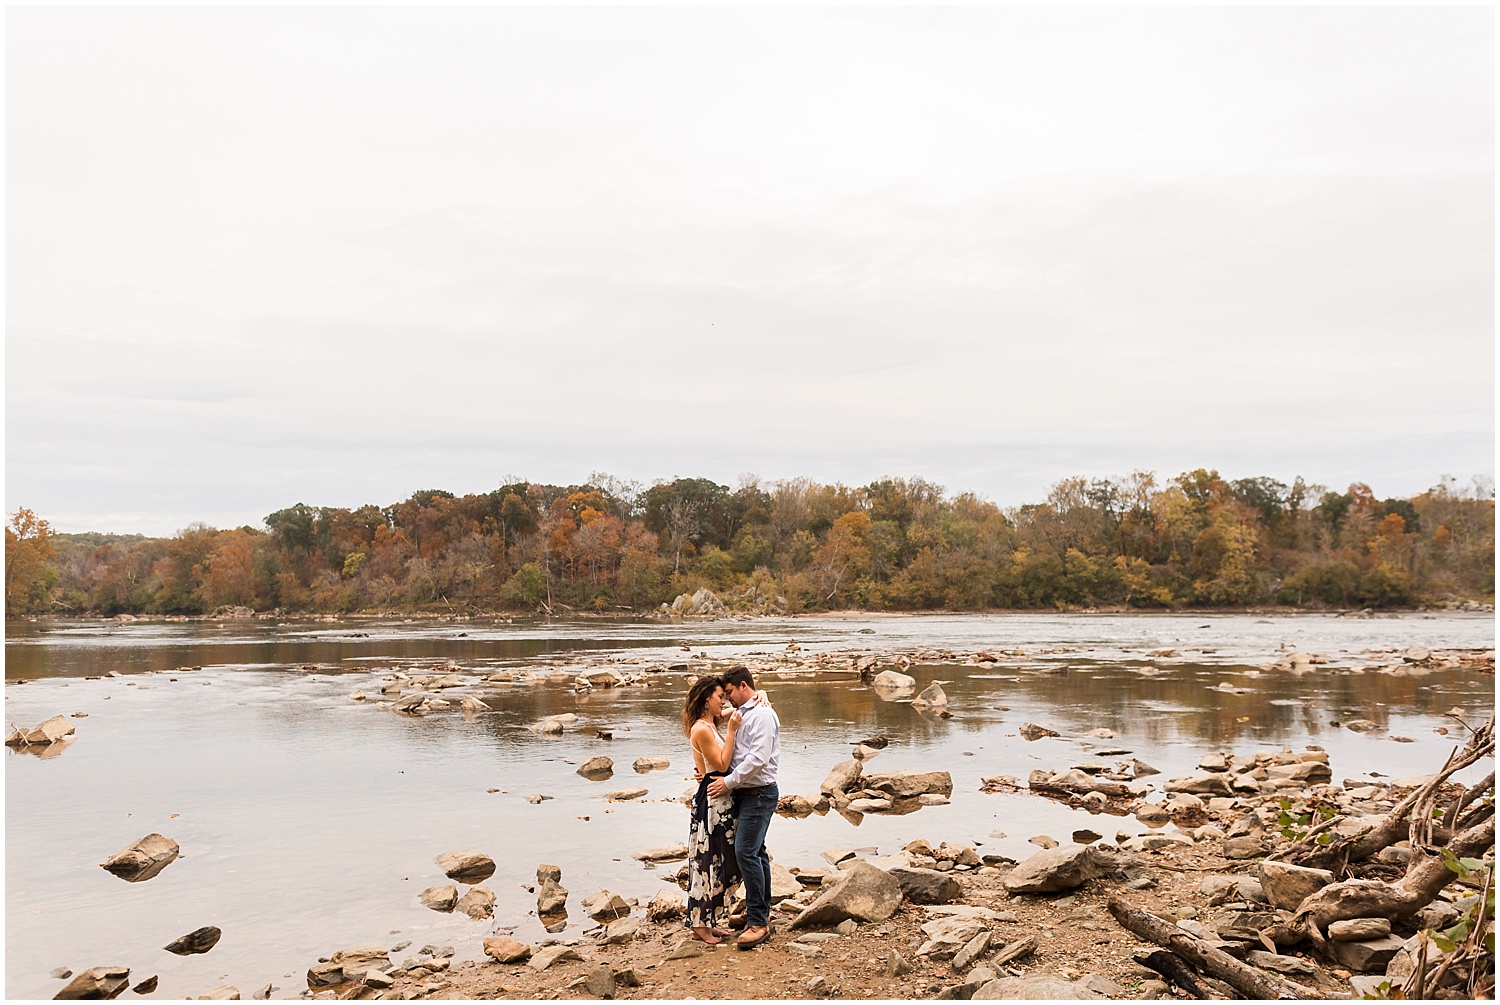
<point>733,806</point>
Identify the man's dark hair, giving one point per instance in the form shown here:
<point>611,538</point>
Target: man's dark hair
<point>737,675</point>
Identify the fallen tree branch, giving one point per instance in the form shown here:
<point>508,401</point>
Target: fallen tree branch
<point>1249,981</point>
<point>1173,971</point>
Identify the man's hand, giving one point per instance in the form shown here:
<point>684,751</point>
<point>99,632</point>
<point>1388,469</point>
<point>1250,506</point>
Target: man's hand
<point>717,788</point>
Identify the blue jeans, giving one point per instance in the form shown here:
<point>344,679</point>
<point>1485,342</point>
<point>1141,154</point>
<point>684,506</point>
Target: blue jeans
<point>752,819</point>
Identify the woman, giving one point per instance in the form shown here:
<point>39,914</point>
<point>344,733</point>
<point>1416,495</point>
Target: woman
<point>712,867</point>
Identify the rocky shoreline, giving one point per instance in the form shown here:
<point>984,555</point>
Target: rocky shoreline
<point>1236,869</point>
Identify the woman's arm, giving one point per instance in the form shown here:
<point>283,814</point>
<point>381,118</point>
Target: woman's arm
<point>716,753</point>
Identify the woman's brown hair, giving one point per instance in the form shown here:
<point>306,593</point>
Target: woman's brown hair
<point>697,700</point>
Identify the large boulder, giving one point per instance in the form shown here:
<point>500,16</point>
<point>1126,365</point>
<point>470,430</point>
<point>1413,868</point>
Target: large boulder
<point>842,777</point>
<point>1367,956</point>
<point>466,866</point>
<point>865,894</point>
<point>927,886</point>
<point>143,859</point>
<point>1063,868</point>
<point>906,784</point>
<point>96,983</point>
<point>358,959</point>
<point>1287,885</point>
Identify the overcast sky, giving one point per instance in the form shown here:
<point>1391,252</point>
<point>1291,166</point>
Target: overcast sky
<point>262,256</point>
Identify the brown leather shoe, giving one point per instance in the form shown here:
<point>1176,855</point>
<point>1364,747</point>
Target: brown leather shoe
<point>753,937</point>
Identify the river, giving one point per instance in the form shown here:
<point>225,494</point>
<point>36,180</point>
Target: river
<point>308,821</point>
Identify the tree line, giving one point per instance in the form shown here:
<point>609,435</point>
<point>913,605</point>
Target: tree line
<point>791,546</point>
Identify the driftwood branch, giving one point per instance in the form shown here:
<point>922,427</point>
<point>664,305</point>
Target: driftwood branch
<point>1245,979</point>
<point>1173,971</point>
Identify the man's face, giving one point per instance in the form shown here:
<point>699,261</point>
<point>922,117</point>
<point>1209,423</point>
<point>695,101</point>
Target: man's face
<point>740,693</point>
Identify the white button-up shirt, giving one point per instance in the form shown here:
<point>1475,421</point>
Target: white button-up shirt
<point>757,747</point>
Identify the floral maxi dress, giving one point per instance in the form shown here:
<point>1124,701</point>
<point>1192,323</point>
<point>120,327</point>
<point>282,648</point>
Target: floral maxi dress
<point>712,868</point>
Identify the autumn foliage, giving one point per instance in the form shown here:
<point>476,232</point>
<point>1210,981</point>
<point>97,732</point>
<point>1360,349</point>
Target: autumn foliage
<point>789,546</point>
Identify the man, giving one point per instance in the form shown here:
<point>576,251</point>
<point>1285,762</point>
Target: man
<point>752,779</point>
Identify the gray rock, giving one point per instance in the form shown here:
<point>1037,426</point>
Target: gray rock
<point>143,859</point>
<point>1246,846</point>
<point>898,966</point>
<point>668,905</point>
<point>472,705</point>
<point>466,866</point>
<point>439,898</point>
<point>927,886</point>
<point>865,894</point>
<point>625,795</point>
<point>223,993</point>
<point>1275,962</point>
<point>1288,885</point>
<point>61,974</point>
<point>1213,784</point>
<point>411,704</point>
<point>478,903</point>
<point>1033,987</point>
<point>686,949</point>
<point>1064,868</point>
<point>946,937</point>
<point>322,975</point>
<point>1359,929</point>
<point>1152,842</point>
<point>818,987</point>
<point>544,872</point>
<point>377,979</point>
<point>843,776</point>
<point>1368,956</point>
<point>146,986</point>
<point>544,958</point>
<point>932,696</point>
<point>645,764</point>
<point>783,884</point>
<point>600,982</point>
<point>96,983</point>
<point>972,950</point>
<point>200,940</point>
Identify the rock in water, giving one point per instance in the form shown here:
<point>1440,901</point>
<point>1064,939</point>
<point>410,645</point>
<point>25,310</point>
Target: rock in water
<point>138,862</point>
<point>645,764</point>
<point>223,993</point>
<point>198,941</point>
<point>906,784</point>
<point>605,906</point>
<point>625,795</point>
<point>545,872</point>
<point>439,898</point>
<point>669,853</point>
<point>842,777</point>
<point>505,950</point>
<point>597,768</point>
<point>96,983</point>
<point>146,986</point>
<point>865,894</point>
<point>1062,869</point>
<point>51,731</point>
<point>466,866</point>
<point>478,903</point>
<point>890,680</point>
<point>551,897</point>
<point>1032,731</point>
<point>932,696</point>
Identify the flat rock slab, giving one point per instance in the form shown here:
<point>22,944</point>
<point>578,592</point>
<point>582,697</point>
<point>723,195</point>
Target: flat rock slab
<point>669,853</point>
<point>143,859</point>
<point>906,784</point>
<point>1369,956</point>
<point>645,764</point>
<point>624,795</point>
<point>686,949</point>
<point>1291,965</point>
<point>1359,929</point>
<point>1034,987</point>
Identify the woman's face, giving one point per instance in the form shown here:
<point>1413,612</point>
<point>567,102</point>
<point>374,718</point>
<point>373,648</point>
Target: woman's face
<point>715,703</point>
